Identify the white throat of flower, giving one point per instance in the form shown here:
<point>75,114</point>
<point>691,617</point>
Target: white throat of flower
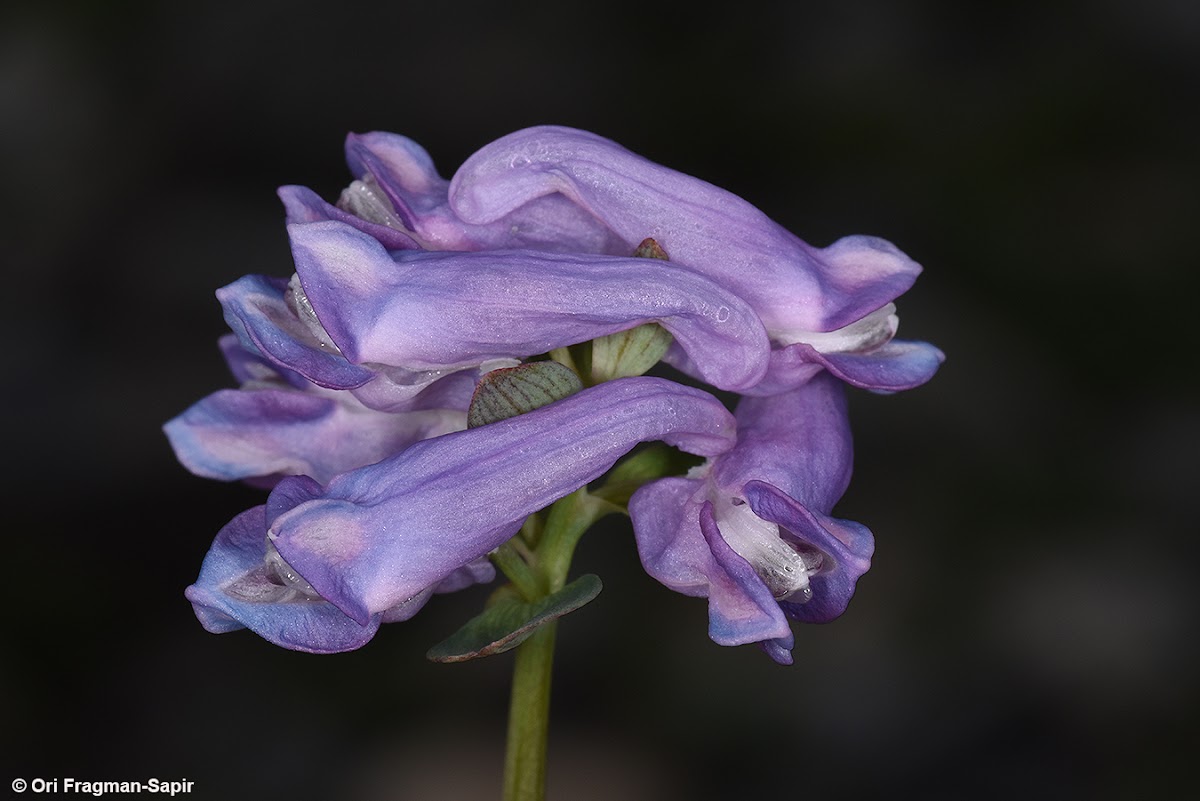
<point>364,199</point>
<point>298,302</point>
<point>876,329</point>
<point>784,570</point>
<point>280,572</point>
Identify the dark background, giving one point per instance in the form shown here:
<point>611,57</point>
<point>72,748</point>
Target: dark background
<point>1028,629</point>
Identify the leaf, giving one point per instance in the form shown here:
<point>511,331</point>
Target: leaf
<point>628,353</point>
<point>511,391</point>
<point>508,622</point>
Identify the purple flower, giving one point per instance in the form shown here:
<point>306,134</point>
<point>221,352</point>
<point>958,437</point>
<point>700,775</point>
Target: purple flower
<point>271,428</point>
<point>750,529</point>
<point>399,199</point>
<point>425,313</point>
<point>273,320</point>
<point>244,584</point>
<point>319,568</point>
<point>828,307</point>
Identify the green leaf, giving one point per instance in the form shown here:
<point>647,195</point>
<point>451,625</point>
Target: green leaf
<point>508,622</point>
<point>628,353</point>
<point>511,391</point>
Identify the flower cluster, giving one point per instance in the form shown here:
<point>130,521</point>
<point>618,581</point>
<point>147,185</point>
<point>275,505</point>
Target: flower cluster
<point>357,374</point>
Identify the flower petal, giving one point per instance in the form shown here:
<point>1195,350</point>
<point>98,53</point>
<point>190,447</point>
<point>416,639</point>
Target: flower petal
<point>846,546</point>
<point>741,609</point>
<point>895,366</point>
<point>304,206</point>
<point>237,434</point>
<point>797,441</point>
<point>234,591</point>
<point>405,173</point>
<point>381,534</point>
<point>424,311</point>
<point>680,546</point>
<point>791,285</point>
<point>256,311</point>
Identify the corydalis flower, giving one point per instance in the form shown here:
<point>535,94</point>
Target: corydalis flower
<point>435,312</point>
<point>751,530</point>
<point>274,426</point>
<point>319,561</point>
<point>399,198</point>
<point>829,307</point>
<point>273,320</point>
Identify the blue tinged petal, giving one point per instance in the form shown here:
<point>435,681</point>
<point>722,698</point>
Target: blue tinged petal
<point>846,549</point>
<point>751,528</point>
<point>432,311</point>
<point>235,590</point>
<point>258,313</point>
<point>382,534</point>
<point>262,433</point>
<point>238,587</point>
<point>741,609</point>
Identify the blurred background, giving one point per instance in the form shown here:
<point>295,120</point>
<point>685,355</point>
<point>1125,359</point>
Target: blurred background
<point>1029,626</point>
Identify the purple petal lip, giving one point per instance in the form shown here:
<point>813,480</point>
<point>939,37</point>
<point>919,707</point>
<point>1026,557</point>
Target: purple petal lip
<point>444,310</point>
<point>791,464</point>
<point>305,206</point>
<point>235,591</point>
<point>381,534</point>
<point>792,285</point>
<point>744,611</point>
<point>266,433</point>
<point>406,177</point>
<point>256,310</point>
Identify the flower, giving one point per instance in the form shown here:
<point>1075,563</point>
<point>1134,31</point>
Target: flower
<point>244,584</point>
<point>399,198</point>
<point>422,313</point>
<point>751,530</point>
<point>270,428</point>
<point>828,307</point>
<point>319,568</point>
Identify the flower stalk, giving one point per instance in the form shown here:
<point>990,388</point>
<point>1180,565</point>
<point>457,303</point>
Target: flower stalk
<point>529,717</point>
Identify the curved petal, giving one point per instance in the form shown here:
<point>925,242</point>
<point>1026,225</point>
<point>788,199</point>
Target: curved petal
<point>265,325</point>
<point>791,285</point>
<point>895,366</point>
<point>798,441</point>
<point>846,547</point>
<point>234,591</point>
<point>237,434</point>
<point>426,311</point>
<point>304,206</point>
<point>740,607</point>
<point>680,546</point>
<point>248,367</point>
<point>405,173</point>
<point>257,312</point>
<point>381,534</point>
<point>667,530</point>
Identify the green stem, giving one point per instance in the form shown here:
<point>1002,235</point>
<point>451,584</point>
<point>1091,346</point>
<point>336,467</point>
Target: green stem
<point>513,565</point>
<point>537,575</point>
<point>529,717</point>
